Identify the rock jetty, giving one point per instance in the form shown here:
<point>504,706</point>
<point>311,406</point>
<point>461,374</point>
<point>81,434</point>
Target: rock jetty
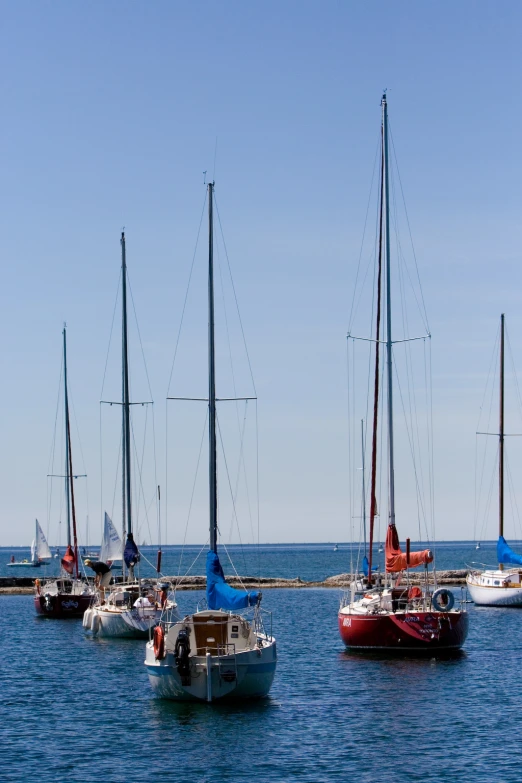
<point>23,585</point>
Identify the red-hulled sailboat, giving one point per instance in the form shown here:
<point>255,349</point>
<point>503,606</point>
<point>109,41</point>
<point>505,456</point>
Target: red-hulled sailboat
<point>69,595</point>
<point>392,614</point>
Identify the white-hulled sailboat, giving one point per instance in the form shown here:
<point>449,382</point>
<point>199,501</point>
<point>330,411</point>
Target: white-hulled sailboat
<point>217,653</point>
<point>40,552</point>
<point>129,608</point>
<point>502,586</point>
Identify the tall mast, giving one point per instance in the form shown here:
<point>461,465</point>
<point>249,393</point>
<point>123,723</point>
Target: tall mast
<point>501,440</point>
<point>373,491</point>
<point>211,379</point>
<point>66,414</point>
<point>391,476</point>
<point>68,471</point>
<point>126,403</point>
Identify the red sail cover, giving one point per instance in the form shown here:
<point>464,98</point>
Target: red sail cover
<point>68,560</point>
<point>396,560</point>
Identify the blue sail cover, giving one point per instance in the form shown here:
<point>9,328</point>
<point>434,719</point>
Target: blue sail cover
<point>505,554</point>
<point>130,553</point>
<point>222,596</point>
<point>366,566</point>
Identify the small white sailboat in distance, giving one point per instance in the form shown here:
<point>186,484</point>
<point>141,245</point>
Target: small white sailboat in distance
<point>40,552</point>
<point>499,587</point>
<point>216,653</point>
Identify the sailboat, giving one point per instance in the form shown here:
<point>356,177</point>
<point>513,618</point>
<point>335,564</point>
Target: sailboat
<point>129,608</point>
<point>69,595</point>
<point>390,616</point>
<point>40,552</point>
<point>216,653</point>
<point>499,587</point>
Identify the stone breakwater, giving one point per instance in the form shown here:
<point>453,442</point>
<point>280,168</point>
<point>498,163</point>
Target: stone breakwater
<point>24,585</point>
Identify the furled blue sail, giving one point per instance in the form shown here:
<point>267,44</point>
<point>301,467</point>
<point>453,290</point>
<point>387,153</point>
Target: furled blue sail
<point>505,554</point>
<point>366,566</point>
<point>222,596</point>
<point>130,553</point>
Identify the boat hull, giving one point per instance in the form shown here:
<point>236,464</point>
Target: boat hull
<point>246,675</point>
<point>124,624</point>
<point>62,605</point>
<point>495,596</point>
<point>404,631</point>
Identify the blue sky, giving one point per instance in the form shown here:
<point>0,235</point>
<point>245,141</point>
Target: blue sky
<point>110,114</point>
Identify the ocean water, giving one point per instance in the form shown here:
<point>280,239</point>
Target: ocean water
<point>309,562</point>
<point>76,708</point>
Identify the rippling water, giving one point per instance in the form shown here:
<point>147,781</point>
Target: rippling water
<point>77,709</point>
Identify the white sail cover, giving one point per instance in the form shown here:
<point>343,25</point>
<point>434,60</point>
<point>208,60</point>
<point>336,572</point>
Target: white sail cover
<point>42,551</point>
<point>111,547</point>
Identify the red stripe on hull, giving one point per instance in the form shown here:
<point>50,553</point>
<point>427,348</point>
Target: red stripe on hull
<point>62,605</point>
<point>404,631</point>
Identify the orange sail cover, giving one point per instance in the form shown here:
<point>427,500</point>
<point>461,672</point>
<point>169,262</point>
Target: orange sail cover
<point>396,559</point>
<point>68,560</point>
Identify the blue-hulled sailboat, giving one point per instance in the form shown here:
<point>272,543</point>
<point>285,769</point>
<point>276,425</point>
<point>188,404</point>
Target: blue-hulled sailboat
<point>503,586</point>
<point>223,651</point>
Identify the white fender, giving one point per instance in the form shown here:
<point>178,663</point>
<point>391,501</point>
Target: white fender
<point>87,618</point>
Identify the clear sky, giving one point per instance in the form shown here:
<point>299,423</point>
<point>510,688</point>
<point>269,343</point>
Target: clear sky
<point>110,114</point>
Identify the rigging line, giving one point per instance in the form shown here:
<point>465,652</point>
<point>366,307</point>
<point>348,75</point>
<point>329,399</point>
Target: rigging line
<point>53,450</point>
<point>141,493</point>
<point>241,464</point>
<point>409,227</point>
<point>490,494</point>
<point>193,492</point>
<point>234,568</point>
<point>101,463</point>
<point>429,434</point>
<point>371,263</point>
<point>350,436</point>
<point>350,322</point>
<point>489,388</point>
<point>510,352</point>
<point>230,488</point>
<point>110,336</point>
<point>234,386</point>
<point>257,495</point>
<point>409,434</point>
<point>235,297</point>
<point>180,579</point>
<point>513,499</point>
<point>186,295</point>
<point>412,405</point>
<point>139,336</point>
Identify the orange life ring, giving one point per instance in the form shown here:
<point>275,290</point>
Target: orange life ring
<point>159,642</point>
